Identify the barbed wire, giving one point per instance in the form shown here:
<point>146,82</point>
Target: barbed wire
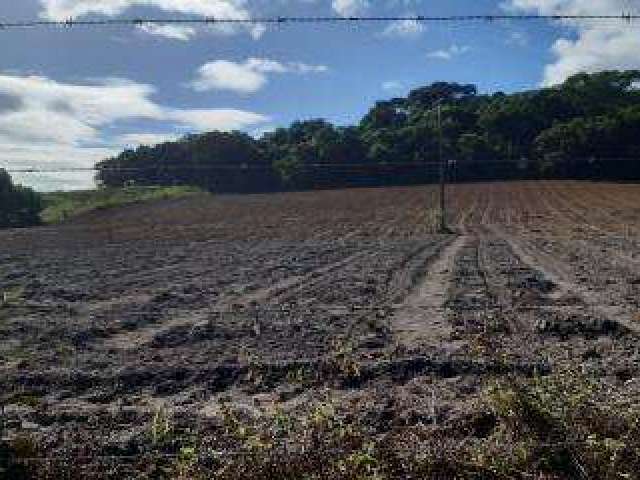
<point>240,167</point>
<point>627,17</point>
<point>451,164</point>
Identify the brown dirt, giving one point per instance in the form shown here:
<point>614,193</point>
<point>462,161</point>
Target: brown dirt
<point>422,318</point>
<point>284,299</point>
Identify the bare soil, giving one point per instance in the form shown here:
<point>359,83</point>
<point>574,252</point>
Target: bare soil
<point>290,299</point>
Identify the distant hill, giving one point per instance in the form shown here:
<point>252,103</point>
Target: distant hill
<point>586,128</point>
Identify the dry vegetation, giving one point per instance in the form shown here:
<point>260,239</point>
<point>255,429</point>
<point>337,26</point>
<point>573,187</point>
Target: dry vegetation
<point>327,335</point>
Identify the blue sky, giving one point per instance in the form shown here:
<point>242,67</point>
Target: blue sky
<point>70,97</point>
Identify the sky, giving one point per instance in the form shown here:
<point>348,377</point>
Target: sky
<point>70,97</point>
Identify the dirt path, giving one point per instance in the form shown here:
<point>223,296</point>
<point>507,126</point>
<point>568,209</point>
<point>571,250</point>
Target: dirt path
<point>422,317</point>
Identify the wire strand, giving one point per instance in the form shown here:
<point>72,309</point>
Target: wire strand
<point>452,165</point>
<point>279,20</point>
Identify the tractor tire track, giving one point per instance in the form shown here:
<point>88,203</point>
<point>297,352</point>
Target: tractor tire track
<point>589,301</point>
<point>422,318</point>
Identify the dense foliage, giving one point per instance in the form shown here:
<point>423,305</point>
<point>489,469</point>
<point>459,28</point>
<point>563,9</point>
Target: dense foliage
<point>19,206</point>
<point>584,128</point>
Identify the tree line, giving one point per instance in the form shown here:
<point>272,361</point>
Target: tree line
<point>19,206</point>
<point>586,128</point>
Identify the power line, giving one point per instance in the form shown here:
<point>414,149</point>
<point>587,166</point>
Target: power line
<point>280,20</point>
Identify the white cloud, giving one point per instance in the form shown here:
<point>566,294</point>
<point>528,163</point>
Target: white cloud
<point>571,7</point>
<point>595,50</point>
<point>226,75</point>
<point>52,124</point>
<point>257,30</point>
<point>64,113</point>
<point>132,140</point>
<point>348,8</point>
<point>19,156</point>
<point>404,29</point>
<point>73,113</point>
<point>449,53</point>
<point>303,68</point>
<point>63,9</point>
<point>35,127</point>
<point>247,77</point>
<point>216,119</point>
<point>392,85</point>
<point>222,9</point>
<point>174,32</point>
<point>596,46</point>
<point>518,39</point>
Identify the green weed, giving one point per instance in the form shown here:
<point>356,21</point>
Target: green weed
<point>567,424</point>
<point>161,428</point>
<point>13,296</point>
<point>62,206</point>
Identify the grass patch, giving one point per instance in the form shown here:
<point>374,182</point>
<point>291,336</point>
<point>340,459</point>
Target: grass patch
<point>11,296</point>
<point>567,425</point>
<point>27,399</point>
<point>62,206</point>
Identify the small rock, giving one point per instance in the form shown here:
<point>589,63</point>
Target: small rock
<point>30,426</point>
<point>372,341</point>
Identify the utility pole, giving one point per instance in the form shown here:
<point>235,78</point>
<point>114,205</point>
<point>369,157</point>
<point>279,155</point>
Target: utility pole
<point>443,174</point>
<point>437,106</point>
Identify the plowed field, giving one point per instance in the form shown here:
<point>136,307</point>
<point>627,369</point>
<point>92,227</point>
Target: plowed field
<point>177,313</point>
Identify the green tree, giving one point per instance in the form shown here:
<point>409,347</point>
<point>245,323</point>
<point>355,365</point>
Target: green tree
<point>566,131</point>
<point>19,206</point>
